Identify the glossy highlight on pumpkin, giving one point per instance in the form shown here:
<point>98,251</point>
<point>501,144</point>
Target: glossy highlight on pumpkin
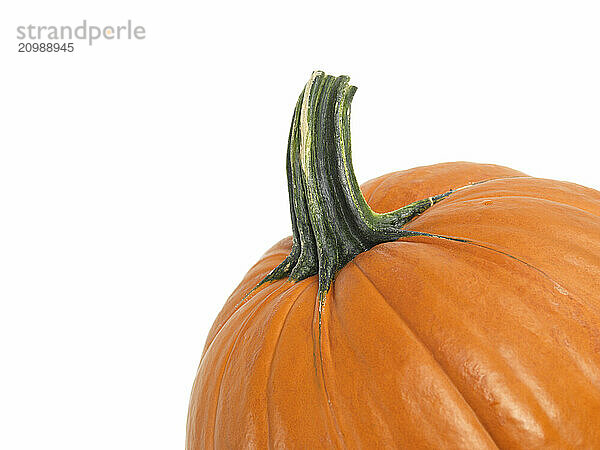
<point>478,328</point>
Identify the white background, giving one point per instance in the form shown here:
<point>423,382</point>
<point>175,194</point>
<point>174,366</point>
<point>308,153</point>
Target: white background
<point>139,180</point>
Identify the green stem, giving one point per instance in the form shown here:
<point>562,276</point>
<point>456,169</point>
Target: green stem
<point>331,220</point>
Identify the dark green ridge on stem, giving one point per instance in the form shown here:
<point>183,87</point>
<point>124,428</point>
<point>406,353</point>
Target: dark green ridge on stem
<point>331,220</point>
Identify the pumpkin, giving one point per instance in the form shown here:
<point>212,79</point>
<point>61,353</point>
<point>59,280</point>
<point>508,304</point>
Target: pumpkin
<point>469,318</point>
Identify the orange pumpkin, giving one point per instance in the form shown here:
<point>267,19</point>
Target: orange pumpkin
<point>469,319</point>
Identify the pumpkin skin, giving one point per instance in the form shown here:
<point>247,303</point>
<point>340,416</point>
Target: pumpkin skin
<point>425,342</point>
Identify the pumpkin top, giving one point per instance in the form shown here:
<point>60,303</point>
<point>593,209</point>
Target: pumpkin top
<point>331,220</point>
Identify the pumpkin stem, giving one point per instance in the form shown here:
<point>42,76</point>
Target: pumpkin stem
<point>331,220</point>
